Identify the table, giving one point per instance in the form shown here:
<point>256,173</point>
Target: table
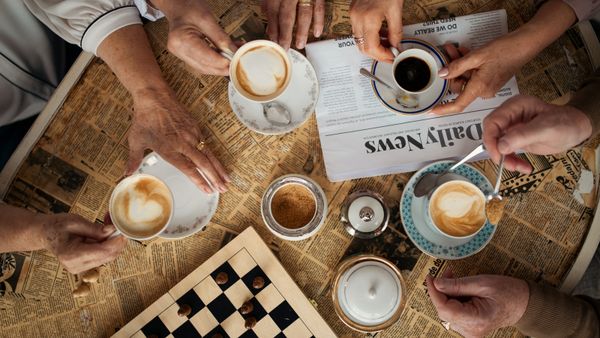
<point>78,149</point>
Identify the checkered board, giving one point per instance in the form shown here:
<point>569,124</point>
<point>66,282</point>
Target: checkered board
<point>280,308</point>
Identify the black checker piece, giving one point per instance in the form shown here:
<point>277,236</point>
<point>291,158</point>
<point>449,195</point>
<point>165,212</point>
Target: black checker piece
<point>249,277</point>
<point>231,275</point>
<point>191,298</point>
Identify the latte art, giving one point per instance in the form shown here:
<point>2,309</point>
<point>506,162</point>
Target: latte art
<point>262,71</point>
<point>457,208</point>
<point>142,207</point>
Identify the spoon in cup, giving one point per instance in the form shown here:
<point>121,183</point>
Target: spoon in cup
<point>404,99</point>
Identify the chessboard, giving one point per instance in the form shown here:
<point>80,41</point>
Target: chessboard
<point>241,291</point>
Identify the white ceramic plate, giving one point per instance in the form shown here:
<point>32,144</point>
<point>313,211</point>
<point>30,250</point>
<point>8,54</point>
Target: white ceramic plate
<point>193,207</point>
<point>427,101</point>
<point>413,211</point>
<point>300,98</point>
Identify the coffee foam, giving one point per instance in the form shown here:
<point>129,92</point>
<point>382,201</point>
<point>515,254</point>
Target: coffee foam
<point>458,209</point>
<point>262,71</point>
<point>142,207</point>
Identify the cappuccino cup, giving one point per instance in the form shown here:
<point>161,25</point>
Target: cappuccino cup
<point>260,70</point>
<point>457,209</point>
<point>414,70</point>
<point>141,207</point>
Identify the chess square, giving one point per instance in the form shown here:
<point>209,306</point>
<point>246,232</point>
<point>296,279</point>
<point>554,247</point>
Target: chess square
<point>238,293</point>
<point>185,331</point>
<point>204,321</point>
<point>266,328</point>
<point>207,290</point>
<point>234,325</point>
<point>221,308</point>
<point>155,327</point>
<point>269,298</point>
<point>170,336</point>
<point>283,315</point>
<point>249,334</point>
<point>217,330</point>
<point>138,334</point>
<point>258,311</point>
<point>249,277</point>
<point>242,262</point>
<point>191,298</point>
<point>232,277</point>
<point>297,330</point>
<point>171,319</point>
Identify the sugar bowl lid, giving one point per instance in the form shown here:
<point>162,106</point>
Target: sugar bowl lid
<point>368,293</point>
<point>365,214</point>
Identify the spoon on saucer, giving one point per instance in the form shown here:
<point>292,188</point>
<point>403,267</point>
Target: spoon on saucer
<point>429,181</point>
<point>403,98</point>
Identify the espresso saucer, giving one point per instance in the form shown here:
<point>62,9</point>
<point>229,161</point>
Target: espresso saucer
<point>193,208</point>
<point>300,98</point>
<point>428,100</point>
<point>413,211</point>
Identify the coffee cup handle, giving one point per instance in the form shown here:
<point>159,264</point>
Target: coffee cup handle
<point>395,51</point>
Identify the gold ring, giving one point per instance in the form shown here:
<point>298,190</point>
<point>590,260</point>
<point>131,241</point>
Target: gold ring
<point>305,3</point>
<point>200,145</point>
<point>359,40</point>
<point>446,325</point>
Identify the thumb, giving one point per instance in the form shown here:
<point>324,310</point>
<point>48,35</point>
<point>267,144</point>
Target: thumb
<point>458,67</point>
<point>136,155</point>
<point>82,227</point>
<point>467,286</point>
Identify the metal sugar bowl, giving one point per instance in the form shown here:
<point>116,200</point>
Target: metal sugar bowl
<point>364,214</point>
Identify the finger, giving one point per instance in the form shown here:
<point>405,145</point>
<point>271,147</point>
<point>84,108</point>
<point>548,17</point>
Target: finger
<point>215,33</point>
<point>452,51</point>
<point>394,22</point>
<point>457,85</point>
<point>459,66</point>
<point>303,25</point>
<point>134,160</point>
<point>272,8</point>
<point>448,273</point>
<point>356,20</point>
<point>515,163</point>
<point>81,227</point>
<point>206,167</point>
<point>373,47</point>
<point>190,47</point>
<point>189,169</point>
<point>466,286</point>
<point>463,50</point>
<point>91,255</point>
<point>319,18</point>
<point>522,135</point>
<point>217,164</point>
<point>462,101</point>
<point>287,17</point>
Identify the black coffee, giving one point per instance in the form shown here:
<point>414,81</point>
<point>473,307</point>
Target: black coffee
<point>412,74</point>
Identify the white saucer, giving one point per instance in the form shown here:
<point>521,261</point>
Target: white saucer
<point>300,98</point>
<point>413,211</point>
<point>427,101</point>
<point>193,207</point>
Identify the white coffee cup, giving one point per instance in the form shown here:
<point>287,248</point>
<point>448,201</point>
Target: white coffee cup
<point>141,207</point>
<point>421,55</point>
<point>456,209</point>
<point>260,70</point>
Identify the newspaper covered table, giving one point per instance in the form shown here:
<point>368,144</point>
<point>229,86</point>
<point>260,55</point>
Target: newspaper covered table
<point>77,150</point>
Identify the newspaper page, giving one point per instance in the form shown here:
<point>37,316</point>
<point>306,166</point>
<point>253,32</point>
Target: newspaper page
<point>360,137</point>
<point>78,158</point>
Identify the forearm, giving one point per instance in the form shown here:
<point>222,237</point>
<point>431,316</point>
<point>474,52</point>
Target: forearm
<point>127,52</point>
<point>549,23</point>
<point>20,228</point>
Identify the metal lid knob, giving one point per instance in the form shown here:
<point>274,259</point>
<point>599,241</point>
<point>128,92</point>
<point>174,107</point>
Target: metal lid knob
<point>364,214</point>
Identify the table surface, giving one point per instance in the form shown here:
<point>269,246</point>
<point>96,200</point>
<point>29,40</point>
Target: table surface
<point>76,162</point>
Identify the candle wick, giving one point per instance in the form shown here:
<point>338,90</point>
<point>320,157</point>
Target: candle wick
<point>372,292</point>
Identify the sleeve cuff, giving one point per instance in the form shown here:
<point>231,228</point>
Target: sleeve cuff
<point>147,11</point>
<point>106,24</point>
<point>583,8</point>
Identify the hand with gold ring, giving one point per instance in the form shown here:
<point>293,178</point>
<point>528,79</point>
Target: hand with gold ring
<point>477,305</point>
<point>367,17</point>
<point>283,14</point>
<point>162,124</point>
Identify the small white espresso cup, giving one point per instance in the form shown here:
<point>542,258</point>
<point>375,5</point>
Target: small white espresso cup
<point>452,227</point>
<point>421,55</point>
<point>238,76</point>
<point>117,206</point>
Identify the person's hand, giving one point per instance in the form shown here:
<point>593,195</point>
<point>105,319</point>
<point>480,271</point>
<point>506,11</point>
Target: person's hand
<point>482,72</point>
<point>282,14</point>
<point>530,124</point>
<point>79,244</point>
<point>162,124</point>
<point>367,17</point>
<point>190,23</point>
<point>476,305</point>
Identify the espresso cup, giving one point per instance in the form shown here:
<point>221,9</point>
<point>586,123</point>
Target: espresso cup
<point>414,70</point>
<point>260,70</point>
<point>141,207</point>
<point>456,209</point>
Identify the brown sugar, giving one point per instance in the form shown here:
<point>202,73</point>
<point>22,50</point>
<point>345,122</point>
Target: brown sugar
<point>293,206</point>
<point>494,209</point>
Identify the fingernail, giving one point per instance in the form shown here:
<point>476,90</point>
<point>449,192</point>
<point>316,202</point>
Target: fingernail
<point>208,190</point>
<point>503,146</point>
<point>108,229</point>
<point>439,283</point>
<point>443,72</point>
<point>300,45</point>
<point>318,33</point>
